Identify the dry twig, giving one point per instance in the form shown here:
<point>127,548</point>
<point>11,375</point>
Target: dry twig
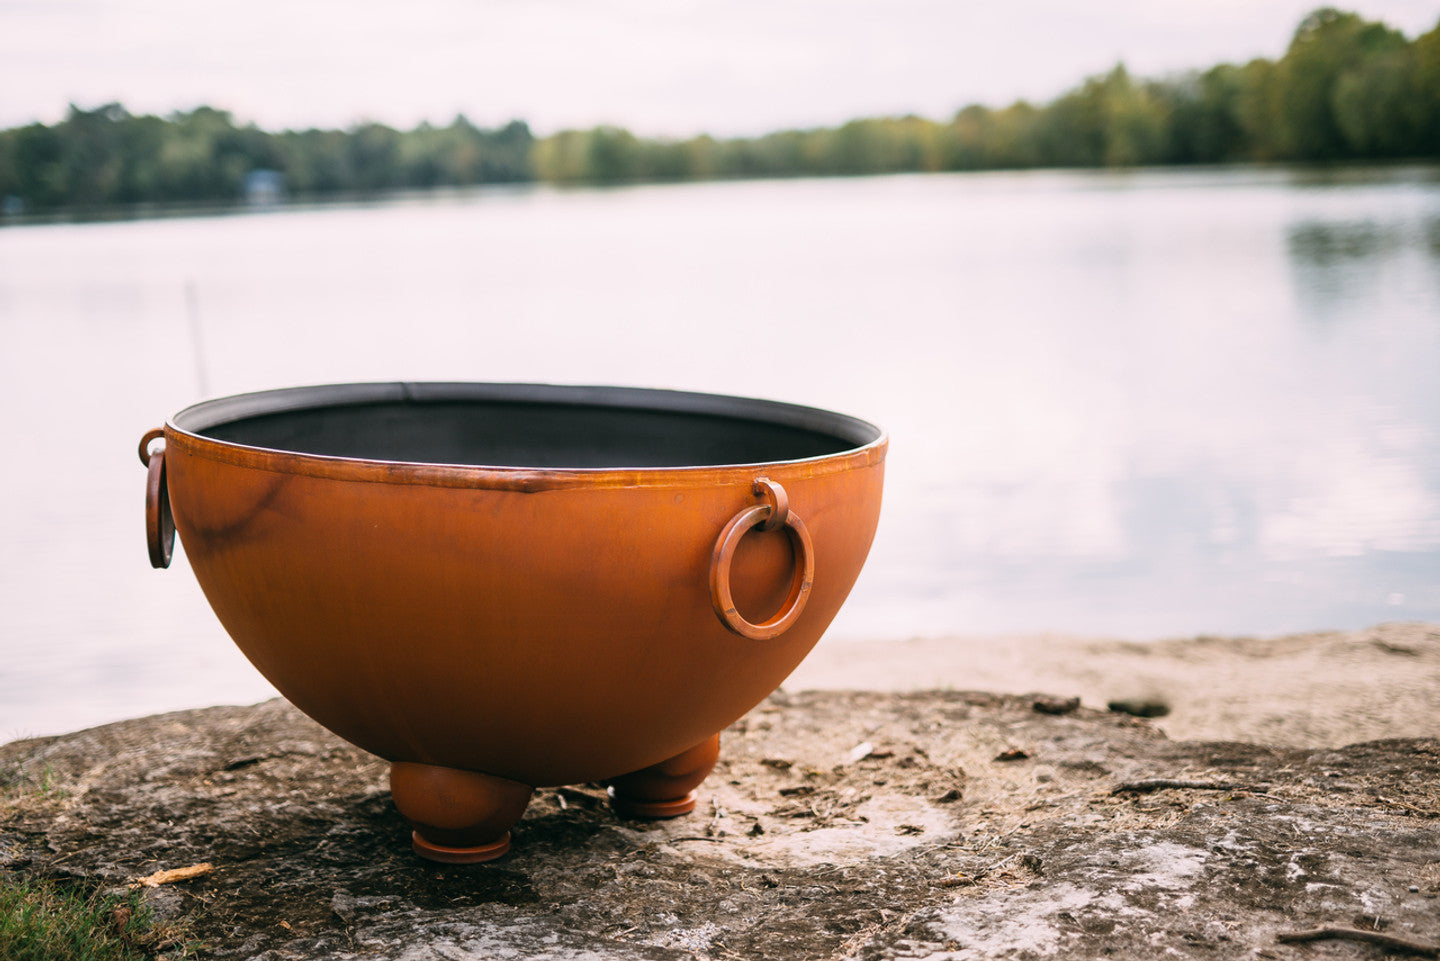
<point>1172,784</point>
<point>173,875</point>
<point>1390,941</point>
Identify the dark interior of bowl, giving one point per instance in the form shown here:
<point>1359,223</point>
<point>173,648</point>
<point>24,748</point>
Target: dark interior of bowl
<point>527,426</point>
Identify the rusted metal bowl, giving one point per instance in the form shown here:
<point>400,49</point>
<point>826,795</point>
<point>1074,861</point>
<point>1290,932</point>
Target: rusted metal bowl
<point>501,586</point>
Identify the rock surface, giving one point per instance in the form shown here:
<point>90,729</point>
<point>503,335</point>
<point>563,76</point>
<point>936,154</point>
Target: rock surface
<point>838,825</point>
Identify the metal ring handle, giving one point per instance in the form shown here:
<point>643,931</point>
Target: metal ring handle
<point>159,520</point>
<point>724,553</point>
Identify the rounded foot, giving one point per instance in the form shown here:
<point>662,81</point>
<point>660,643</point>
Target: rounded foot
<point>459,817</point>
<point>667,789</point>
<point>631,808</point>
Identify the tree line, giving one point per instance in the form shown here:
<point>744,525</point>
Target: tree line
<point>1346,89</point>
<point>107,156</point>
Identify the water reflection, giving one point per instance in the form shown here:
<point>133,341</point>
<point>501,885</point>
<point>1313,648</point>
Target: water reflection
<point>1432,235</point>
<point>1325,244</point>
<point>1339,266</point>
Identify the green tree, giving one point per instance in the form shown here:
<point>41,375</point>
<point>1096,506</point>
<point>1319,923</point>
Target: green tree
<point>1206,124</point>
<point>611,155</point>
<point>978,138</point>
<point>1378,105</point>
<point>373,158</point>
<point>1134,120</point>
<point>1327,44</point>
<point>206,157</point>
<point>39,172</point>
<point>1260,111</point>
<point>316,161</point>
<point>93,164</point>
<point>562,157</point>
<point>1427,93</point>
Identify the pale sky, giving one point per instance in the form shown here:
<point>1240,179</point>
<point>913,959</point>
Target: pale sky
<point>659,67</point>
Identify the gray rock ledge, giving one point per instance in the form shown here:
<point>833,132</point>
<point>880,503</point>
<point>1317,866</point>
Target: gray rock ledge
<point>838,825</point>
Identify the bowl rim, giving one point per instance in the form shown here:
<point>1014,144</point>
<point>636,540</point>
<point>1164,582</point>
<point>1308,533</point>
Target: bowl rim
<point>184,430</point>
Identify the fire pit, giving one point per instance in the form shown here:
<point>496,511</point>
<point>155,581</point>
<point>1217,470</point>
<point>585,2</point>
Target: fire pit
<point>502,586</point>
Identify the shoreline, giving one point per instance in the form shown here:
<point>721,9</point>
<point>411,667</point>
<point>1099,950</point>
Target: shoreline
<point>1313,689</point>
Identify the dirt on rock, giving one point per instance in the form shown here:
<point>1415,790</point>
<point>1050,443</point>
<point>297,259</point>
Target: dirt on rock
<point>838,825</point>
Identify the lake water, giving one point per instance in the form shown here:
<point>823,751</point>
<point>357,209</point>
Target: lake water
<point>1125,404</point>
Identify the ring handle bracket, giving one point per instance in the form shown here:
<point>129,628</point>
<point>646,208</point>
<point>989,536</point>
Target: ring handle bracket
<point>776,499</point>
<point>151,436</point>
<point>774,514</point>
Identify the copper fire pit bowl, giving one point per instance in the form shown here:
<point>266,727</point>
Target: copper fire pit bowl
<point>502,586</point>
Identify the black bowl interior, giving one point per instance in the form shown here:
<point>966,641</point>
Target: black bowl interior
<point>526,426</point>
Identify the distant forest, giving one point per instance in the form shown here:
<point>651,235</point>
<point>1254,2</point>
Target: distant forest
<point>1347,89</point>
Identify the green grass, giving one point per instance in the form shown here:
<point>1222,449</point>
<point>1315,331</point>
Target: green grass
<point>17,781</point>
<point>53,921</point>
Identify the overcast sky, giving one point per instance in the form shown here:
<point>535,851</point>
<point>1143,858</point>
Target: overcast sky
<point>659,67</point>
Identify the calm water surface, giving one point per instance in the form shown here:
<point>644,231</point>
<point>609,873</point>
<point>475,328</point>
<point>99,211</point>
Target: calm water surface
<point>1135,405</point>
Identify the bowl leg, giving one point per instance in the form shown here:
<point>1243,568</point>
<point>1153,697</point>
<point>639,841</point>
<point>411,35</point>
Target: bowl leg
<point>459,817</point>
<point>667,789</point>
